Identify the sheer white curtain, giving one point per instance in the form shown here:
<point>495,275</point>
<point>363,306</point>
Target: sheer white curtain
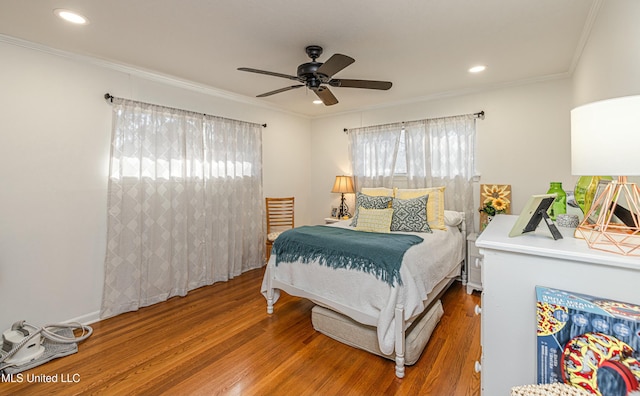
<point>185,204</point>
<point>441,152</point>
<point>373,154</point>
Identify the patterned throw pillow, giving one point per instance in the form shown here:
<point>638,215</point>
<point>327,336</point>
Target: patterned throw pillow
<point>435,206</point>
<point>410,215</point>
<point>374,220</point>
<point>369,202</point>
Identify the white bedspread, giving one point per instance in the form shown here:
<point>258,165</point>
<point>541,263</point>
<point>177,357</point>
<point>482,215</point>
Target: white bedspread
<point>423,266</point>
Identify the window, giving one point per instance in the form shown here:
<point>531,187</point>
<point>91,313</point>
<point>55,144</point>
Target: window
<point>426,153</point>
<point>401,160</point>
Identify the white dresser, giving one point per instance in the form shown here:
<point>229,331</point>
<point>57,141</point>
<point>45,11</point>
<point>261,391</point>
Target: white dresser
<point>511,269</point>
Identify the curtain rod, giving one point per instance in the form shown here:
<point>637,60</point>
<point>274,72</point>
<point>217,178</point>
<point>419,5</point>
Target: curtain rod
<point>479,115</point>
<point>110,98</point>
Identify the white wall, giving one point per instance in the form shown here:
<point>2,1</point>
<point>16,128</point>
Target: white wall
<point>54,148</point>
<point>610,63</point>
<point>523,140</point>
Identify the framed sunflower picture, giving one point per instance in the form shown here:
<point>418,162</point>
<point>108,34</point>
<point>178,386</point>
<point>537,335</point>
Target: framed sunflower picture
<point>494,199</point>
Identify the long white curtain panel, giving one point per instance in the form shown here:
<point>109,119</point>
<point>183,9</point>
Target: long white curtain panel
<point>185,203</point>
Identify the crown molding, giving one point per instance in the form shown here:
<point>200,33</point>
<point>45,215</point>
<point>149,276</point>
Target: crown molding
<point>146,74</point>
<point>586,32</point>
<point>215,92</point>
<point>454,93</point>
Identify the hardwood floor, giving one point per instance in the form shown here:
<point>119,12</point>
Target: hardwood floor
<point>219,340</point>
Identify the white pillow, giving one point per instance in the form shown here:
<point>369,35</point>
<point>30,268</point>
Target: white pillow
<point>452,218</point>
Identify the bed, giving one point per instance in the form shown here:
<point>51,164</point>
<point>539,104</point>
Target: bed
<point>390,308</point>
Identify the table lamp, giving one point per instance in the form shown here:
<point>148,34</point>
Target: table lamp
<point>605,140</point>
<point>343,184</point>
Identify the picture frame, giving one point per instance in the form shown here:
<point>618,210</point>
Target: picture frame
<point>621,215</point>
<point>535,212</point>
<point>602,185</point>
<point>334,211</point>
<point>490,192</point>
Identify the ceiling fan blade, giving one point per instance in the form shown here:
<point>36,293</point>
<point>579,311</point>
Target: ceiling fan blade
<point>334,64</point>
<point>368,84</point>
<point>268,73</point>
<point>278,91</point>
<point>326,96</point>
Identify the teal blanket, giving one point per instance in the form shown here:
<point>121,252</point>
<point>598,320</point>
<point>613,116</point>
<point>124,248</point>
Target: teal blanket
<point>374,253</point>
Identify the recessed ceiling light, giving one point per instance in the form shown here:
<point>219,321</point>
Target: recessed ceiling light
<point>477,69</point>
<point>317,101</point>
<point>71,16</point>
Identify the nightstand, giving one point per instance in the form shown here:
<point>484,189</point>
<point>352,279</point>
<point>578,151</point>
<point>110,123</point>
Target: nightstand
<point>474,265</point>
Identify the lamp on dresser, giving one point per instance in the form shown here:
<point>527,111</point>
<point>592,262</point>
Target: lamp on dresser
<point>605,140</point>
<point>343,185</point>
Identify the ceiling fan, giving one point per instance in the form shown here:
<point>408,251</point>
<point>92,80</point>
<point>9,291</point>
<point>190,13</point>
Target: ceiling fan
<point>314,75</point>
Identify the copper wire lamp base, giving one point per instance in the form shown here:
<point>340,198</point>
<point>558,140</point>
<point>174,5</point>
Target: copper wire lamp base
<point>617,225</point>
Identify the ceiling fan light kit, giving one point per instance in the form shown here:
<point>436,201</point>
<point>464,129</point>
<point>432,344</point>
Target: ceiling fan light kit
<point>317,75</point>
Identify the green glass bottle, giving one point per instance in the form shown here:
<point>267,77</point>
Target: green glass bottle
<point>559,206</point>
<point>586,190</point>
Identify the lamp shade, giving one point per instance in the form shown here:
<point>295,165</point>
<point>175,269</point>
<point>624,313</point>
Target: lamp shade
<point>605,137</point>
<point>343,184</point>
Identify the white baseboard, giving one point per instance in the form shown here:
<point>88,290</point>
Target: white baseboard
<point>86,319</point>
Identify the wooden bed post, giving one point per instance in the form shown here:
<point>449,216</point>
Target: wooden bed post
<point>400,341</point>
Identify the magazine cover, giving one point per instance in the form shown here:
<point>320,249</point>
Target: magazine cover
<point>590,342</point>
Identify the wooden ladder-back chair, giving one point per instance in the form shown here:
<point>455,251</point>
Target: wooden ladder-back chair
<point>280,217</point>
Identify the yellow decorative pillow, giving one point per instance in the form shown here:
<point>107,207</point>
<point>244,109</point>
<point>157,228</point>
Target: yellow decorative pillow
<point>435,203</point>
<point>377,191</point>
<point>374,220</point>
